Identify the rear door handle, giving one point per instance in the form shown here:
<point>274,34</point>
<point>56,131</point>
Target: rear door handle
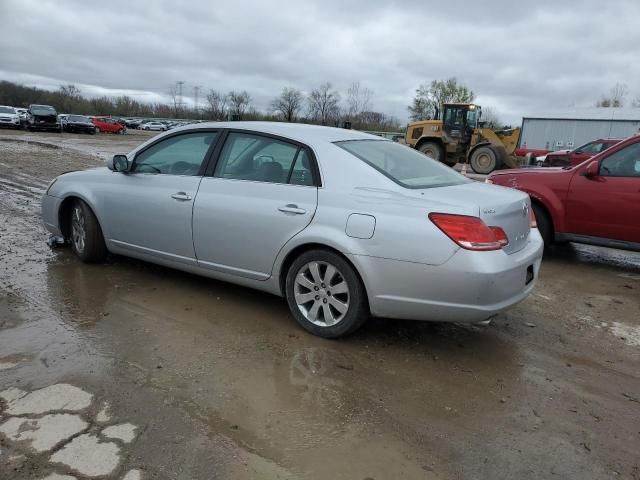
<point>291,208</point>
<point>181,196</point>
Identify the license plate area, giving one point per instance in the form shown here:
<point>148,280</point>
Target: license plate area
<point>530,275</point>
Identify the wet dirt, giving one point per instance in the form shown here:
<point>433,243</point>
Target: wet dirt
<point>221,383</point>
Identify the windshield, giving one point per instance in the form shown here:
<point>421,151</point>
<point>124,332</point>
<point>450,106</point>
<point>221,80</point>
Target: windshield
<point>402,164</point>
<point>472,117</point>
<point>42,110</point>
<point>78,118</point>
<point>7,110</point>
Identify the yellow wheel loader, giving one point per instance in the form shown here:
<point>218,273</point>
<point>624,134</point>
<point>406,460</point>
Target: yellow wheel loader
<point>460,137</point>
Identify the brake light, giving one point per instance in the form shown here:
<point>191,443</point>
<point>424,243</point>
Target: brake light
<point>470,233</point>
<point>532,217</point>
<point>501,237</point>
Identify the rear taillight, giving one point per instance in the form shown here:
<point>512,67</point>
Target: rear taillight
<point>470,233</point>
<point>501,237</point>
<point>532,217</point>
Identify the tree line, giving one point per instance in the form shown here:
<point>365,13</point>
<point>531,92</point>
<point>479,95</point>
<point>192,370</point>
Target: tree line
<point>323,105</point>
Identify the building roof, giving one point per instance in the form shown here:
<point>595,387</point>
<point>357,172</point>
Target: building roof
<point>590,113</point>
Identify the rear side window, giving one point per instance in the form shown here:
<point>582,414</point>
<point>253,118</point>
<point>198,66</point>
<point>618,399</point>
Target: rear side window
<point>402,164</point>
<point>247,156</point>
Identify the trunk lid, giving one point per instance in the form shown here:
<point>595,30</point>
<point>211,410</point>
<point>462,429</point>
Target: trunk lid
<point>497,206</point>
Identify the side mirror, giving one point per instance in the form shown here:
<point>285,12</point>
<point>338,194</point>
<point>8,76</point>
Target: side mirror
<point>119,163</point>
<point>592,170</point>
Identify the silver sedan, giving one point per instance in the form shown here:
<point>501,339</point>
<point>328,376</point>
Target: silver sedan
<point>342,224</point>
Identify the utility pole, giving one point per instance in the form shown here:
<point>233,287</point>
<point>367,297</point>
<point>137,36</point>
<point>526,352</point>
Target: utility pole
<point>196,90</point>
<point>180,85</point>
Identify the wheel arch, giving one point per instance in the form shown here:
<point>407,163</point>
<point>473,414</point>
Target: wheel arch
<point>422,140</point>
<point>298,250</point>
<point>552,209</point>
<point>64,212</point>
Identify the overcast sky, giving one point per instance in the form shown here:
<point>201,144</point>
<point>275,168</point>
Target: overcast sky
<point>518,57</point>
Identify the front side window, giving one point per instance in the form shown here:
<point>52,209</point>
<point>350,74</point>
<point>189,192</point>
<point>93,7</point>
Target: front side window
<point>402,164</point>
<point>623,163</point>
<point>178,155</point>
<point>248,156</point>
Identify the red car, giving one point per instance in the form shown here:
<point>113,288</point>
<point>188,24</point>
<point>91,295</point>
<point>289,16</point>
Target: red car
<point>564,158</point>
<point>106,124</point>
<point>596,202</point>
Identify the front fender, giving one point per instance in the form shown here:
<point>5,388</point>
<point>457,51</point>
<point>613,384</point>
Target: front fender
<point>550,201</point>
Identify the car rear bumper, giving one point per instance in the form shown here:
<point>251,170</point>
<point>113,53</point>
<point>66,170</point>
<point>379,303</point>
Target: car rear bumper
<point>469,287</point>
<point>50,207</point>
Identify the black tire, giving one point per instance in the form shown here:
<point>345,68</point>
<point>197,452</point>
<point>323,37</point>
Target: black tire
<point>86,237</point>
<point>484,160</point>
<point>433,150</point>
<point>545,225</point>
<point>357,310</point>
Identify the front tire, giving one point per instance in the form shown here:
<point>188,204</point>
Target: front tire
<point>87,241</point>
<point>325,294</point>
<point>484,160</point>
<point>545,226</point>
<point>433,150</point>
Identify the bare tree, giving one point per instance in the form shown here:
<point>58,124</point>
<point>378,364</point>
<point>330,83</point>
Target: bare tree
<point>70,96</point>
<point>616,96</point>
<point>324,103</point>
<point>490,117</point>
<point>174,94</point>
<point>358,100</point>
<point>217,104</point>
<point>288,104</point>
<point>239,103</point>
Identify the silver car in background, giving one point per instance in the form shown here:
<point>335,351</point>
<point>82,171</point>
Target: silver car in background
<point>343,224</point>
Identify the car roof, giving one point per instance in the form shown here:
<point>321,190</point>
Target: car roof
<point>301,132</point>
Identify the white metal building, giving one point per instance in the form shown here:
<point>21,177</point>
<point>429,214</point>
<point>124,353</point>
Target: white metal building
<point>572,128</point>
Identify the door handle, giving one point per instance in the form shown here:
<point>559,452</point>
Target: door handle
<point>291,208</point>
<point>181,196</point>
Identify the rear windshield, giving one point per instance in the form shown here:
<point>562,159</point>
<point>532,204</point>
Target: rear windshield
<point>402,164</point>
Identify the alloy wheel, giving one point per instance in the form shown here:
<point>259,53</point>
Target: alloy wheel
<point>321,293</point>
<point>78,229</point>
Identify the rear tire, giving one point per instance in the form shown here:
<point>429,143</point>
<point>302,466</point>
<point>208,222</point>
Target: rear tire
<point>484,160</point>
<point>87,241</point>
<point>545,225</point>
<point>325,294</point>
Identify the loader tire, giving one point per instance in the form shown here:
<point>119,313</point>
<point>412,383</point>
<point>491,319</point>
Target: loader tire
<point>485,160</point>
<point>433,150</point>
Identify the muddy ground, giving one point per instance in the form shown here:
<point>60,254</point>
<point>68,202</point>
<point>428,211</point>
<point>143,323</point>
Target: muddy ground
<point>151,373</point>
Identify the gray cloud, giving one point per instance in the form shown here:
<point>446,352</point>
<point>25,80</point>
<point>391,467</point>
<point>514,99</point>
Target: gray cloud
<point>518,58</point>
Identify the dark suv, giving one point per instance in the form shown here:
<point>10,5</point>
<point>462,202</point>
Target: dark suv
<point>42,117</point>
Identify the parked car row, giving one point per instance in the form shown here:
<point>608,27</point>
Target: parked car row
<point>45,117</point>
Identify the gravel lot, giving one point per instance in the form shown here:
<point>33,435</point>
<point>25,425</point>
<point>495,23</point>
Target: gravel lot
<point>151,373</point>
